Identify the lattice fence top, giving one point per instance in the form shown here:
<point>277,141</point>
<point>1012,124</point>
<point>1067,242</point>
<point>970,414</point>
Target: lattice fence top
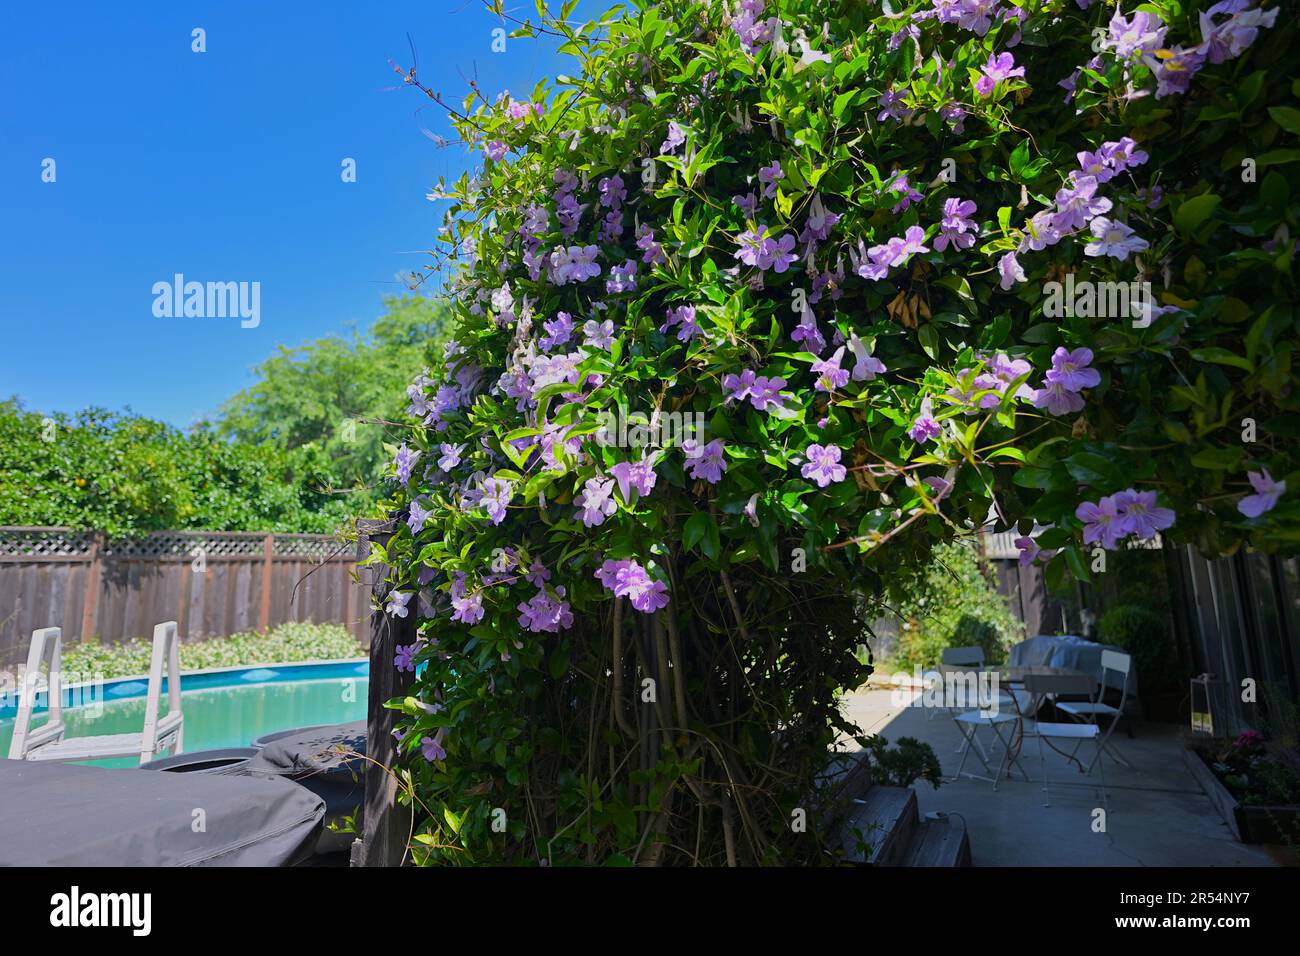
<point>53,544</point>
<point>45,543</point>
<point>179,544</point>
<point>311,547</point>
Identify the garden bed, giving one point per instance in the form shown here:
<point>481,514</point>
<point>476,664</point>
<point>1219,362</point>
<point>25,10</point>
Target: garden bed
<point>1243,807</point>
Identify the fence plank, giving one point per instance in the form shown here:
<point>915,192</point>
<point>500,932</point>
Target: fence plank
<point>108,591</point>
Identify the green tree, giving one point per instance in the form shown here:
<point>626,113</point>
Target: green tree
<point>329,392</point>
<point>123,474</point>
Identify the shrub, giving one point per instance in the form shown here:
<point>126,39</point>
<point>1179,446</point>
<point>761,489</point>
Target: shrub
<point>840,238</point>
<point>123,475</point>
<point>909,761</point>
<point>293,642</point>
<point>1144,635</point>
<point>952,602</point>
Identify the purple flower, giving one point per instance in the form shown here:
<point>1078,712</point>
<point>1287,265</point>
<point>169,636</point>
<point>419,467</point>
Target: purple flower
<point>496,150</point>
<point>1071,369</point>
<point>676,136</point>
<point>403,462</point>
<point>1123,154</point>
<point>450,456</point>
<point>1010,270</point>
<point>1101,522</point>
<point>653,251</point>
<point>629,579</point>
<point>891,107</point>
<point>823,465</point>
<point>558,331</point>
<point>778,254</point>
<point>397,601</point>
<point>819,224</point>
<point>747,204</point>
<point>808,332</point>
<point>684,318</point>
<point>829,374</point>
<point>1267,492</point>
<point>752,31</point>
<point>866,366</point>
<point>622,278</point>
<point>598,335</point>
<point>612,192</point>
<point>574,264</point>
<point>875,265</point>
<point>537,573</point>
<point>738,387</point>
<point>1058,399</point>
<point>1138,34</point>
<point>1000,66</point>
<point>432,749</point>
<point>543,613</point>
<point>417,516</point>
<point>596,503</point>
<point>939,487</point>
<point>926,426</point>
<point>639,475</point>
<point>768,177</point>
<point>765,393</point>
<point>495,498</point>
<point>1140,513</point>
<point>467,608</point>
<point>956,227</point>
<point>1078,204</point>
<point>404,660</point>
<point>1230,39</point>
<point>1113,238</point>
<point>912,243</point>
<point>1028,550</point>
<point>1174,71</point>
<point>898,184</point>
<point>704,461</point>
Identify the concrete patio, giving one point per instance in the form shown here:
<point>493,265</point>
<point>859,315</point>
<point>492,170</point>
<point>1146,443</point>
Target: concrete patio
<point>1158,814</point>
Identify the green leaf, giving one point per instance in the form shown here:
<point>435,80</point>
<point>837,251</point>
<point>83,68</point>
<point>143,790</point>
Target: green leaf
<point>1195,211</point>
<point>1287,117</point>
<point>1223,357</point>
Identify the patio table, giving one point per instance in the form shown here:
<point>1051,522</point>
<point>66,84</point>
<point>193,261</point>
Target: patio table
<point>1013,674</point>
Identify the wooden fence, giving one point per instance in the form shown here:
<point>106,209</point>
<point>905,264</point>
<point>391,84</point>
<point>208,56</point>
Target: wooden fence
<point>211,583</point>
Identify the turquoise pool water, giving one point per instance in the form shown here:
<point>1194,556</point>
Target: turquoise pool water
<point>226,708</point>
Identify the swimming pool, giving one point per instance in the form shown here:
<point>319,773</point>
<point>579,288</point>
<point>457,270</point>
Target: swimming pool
<point>226,707</point>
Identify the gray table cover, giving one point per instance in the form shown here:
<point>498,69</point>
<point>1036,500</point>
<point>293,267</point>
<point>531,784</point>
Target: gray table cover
<point>1068,650</point>
<point>56,814</point>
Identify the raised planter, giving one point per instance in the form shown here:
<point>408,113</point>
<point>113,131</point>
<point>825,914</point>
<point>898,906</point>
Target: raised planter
<point>1249,824</point>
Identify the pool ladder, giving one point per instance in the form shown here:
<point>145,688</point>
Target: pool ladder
<point>50,740</point>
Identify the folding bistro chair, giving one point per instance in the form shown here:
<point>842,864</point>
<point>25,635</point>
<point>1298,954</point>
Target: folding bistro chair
<point>1041,686</point>
<point>1112,662</point>
<point>971,710</point>
<point>956,658</point>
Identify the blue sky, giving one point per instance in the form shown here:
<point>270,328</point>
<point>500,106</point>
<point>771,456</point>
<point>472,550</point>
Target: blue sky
<point>222,166</point>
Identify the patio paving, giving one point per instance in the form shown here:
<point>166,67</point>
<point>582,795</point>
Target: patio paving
<point>1158,815</point>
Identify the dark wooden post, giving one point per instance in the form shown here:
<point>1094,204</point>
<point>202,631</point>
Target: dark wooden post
<point>386,825</point>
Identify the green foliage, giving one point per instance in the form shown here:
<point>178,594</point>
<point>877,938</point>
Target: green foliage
<point>910,760</point>
<point>331,393</point>
<point>1143,633</point>
<point>761,566</point>
<point>952,602</point>
<point>293,642</point>
<point>122,474</point>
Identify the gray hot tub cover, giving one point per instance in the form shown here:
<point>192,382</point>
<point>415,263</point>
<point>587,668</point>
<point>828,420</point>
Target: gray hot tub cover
<point>67,815</point>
